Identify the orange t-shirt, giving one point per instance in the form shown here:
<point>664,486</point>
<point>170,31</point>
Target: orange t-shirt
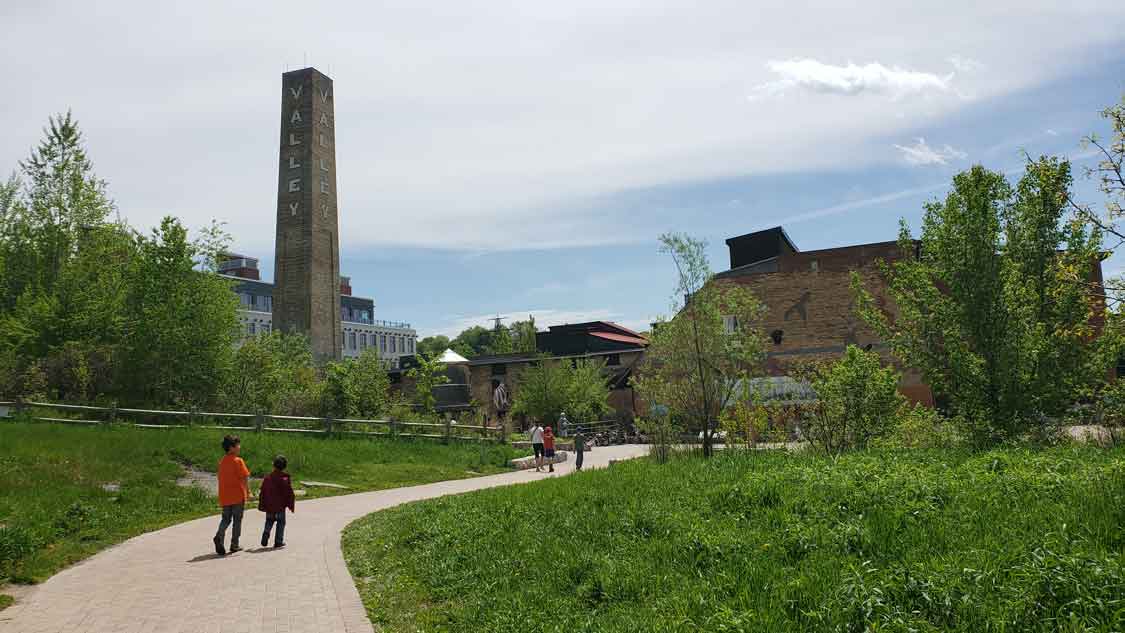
<point>232,475</point>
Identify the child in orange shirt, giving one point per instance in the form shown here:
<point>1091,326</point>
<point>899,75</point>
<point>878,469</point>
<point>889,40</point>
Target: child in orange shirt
<point>233,493</point>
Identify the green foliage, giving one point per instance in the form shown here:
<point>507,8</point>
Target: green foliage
<point>273,373</point>
<point>551,387</point>
<point>988,306</point>
<point>433,345</point>
<point>694,365</point>
<point>922,427</point>
<point>502,339</point>
<point>1110,176</point>
<point>357,388</point>
<point>54,510</point>
<point>89,309</point>
<point>427,374</point>
<point>857,400</point>
<point>945,540</point>
<point>523,335</point>
<point>473,341</point>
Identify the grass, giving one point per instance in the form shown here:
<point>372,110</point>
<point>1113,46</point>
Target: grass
<point>54,510</point>
<point>5,601</point>
<point>1008,540</point>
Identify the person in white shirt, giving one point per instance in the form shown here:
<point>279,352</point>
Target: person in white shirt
<point>537,445</point>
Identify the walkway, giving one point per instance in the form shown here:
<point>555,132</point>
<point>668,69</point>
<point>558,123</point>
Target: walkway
<point>170,581</point>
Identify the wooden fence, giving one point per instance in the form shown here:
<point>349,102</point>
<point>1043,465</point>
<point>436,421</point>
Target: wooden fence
<point>157,419</point>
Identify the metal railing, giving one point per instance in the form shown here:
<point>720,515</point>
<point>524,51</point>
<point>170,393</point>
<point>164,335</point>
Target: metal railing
<point>445,431</point>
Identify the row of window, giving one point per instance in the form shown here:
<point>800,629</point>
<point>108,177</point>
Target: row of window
<point>361,341</point>
<point>260,303</point>
<point>361,316</point>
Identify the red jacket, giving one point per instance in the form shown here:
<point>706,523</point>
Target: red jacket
<point>276,493</point>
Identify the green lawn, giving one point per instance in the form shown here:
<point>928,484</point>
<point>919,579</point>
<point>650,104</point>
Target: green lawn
<point>1008,540</point>
<point>54,510</point>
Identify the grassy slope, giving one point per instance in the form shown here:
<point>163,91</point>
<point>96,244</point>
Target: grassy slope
<point>1009,540</point>
<point>53,510</point>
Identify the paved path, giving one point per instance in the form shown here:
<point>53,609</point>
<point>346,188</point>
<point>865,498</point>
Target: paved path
<point>170,581</point>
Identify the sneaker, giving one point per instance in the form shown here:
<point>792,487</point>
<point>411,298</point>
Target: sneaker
<point>278,545</point>
<point>219,549</point>
<point>265,539</point>
<point>235,548</point>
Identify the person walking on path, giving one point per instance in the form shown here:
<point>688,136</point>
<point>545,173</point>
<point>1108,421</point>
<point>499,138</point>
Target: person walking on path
<point>537,445</point>
<point>276,495</point>
<point>579,448</point>
<point>549,447</point>
<point>233,493</point>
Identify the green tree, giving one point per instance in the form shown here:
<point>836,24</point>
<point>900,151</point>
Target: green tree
<point>473,341</point>
<point>551,387</point>
<point>433,345</point>
<point>357,387</point>
<point>500,341</point>
<point>523,335</point>
<point>181,323</point>
<point>1110,176</point>
<point>273,373</point>
<point>427,374</point>
<point>698,358</point>
<point>987,306</point>
<point>857,400</point>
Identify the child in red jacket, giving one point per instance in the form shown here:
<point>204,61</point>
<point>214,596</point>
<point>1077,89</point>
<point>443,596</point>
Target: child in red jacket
<point>276,495</point>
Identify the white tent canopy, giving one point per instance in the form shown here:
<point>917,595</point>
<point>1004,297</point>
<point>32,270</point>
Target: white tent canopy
<point>451,357</point>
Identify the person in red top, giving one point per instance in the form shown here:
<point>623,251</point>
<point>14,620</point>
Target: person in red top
<point>276,495</point>
<point>233,493</point>
<point>549,447</point>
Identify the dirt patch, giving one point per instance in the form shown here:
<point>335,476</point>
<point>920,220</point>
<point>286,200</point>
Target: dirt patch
<point>200,479</point>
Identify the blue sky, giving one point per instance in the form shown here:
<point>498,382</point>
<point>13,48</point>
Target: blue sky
<point>523,158</point>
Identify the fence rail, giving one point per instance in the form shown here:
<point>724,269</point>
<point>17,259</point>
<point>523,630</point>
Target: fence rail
<point>147,419</point>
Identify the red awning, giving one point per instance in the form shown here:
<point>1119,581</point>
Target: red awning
<point>621,338</point>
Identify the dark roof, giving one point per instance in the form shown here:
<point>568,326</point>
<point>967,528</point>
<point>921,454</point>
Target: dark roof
<point>776,231</point>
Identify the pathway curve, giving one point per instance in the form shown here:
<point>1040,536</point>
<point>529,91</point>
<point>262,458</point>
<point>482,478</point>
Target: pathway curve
<point>170,581</point>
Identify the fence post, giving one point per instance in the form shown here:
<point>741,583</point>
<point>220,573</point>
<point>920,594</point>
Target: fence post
<point>258,423</point>
<point>19,407</point>
<point>328,426</point>
<point>448,430</point>
<point>191,417</point>
<point>112,412</point>
<point>391,428</point>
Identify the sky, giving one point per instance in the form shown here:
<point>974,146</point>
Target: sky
<point>516,158</point>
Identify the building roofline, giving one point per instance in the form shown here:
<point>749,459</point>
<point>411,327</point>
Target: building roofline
<point>780,229</point>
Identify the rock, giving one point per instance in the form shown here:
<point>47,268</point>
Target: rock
<point>523,463</point>
<point>112,487</point>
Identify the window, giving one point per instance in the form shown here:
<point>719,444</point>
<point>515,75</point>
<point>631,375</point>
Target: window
<point>411,345</point>
<point>394,346</point>
<point>363,341</point>
<point>253,329</point>
<point>730,324</point>
<point>613,360</point>
<point>382,342</point>
<point>814,265</point>
<point>776,336</point>
<point>247,299</point>
<point>352,338</point>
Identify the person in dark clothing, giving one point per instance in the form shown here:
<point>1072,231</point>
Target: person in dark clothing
<point>275,496</point>
<point>579,449</point>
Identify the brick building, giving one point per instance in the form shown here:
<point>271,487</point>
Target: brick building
<point>809,305</point>
<point>808,299</point>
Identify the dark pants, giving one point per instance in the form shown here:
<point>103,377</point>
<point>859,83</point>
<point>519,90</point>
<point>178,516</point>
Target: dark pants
<point>578,452</point>
<point>271,519</point>
<point>231,514</point>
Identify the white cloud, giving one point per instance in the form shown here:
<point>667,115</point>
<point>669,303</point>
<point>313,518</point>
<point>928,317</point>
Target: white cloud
<point>920,153</point>
<point>965,64</point>
<point>468,125</point>
<point>873,78</point>
<point>1051,132</point>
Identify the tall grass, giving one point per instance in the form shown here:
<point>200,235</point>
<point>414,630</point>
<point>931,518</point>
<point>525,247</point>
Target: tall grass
<point>1009,540</point>
<point>54,509</point>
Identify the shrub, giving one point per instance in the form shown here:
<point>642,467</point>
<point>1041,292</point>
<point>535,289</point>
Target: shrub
<point>921,427</point>
<point>857,400</point>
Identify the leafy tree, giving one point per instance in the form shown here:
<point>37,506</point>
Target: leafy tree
<point>500,341</point>
<point>550,387</point>
<point>857,400</point>
<point>1110,176</point>
<point>695,362</point>
<point>473,341</point>
<point>357,387</point>
<point>181,323</point>
<point>433,345</point>
<point>987,306</point>
<point>523,335</point>
<point>427,374</point>
<point>273,373</point>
